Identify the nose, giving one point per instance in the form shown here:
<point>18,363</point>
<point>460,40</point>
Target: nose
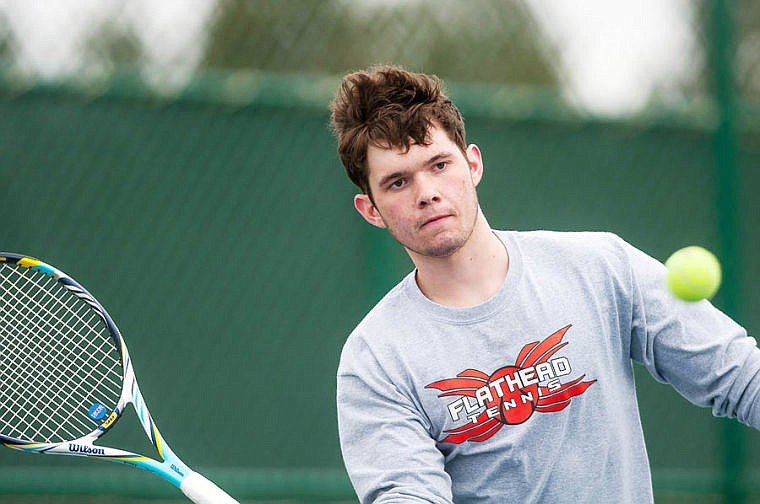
<point>427,192</point>
<point>428,197</point>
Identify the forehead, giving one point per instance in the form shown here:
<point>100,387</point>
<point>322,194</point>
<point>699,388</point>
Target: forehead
<point>381,161</point>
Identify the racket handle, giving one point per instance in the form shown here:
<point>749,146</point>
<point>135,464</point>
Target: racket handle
<point>202,491</point>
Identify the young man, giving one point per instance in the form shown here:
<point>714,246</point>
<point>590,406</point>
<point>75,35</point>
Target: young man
<point>500,369</point>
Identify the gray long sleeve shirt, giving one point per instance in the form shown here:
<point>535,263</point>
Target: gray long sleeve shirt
<point>529,397</point>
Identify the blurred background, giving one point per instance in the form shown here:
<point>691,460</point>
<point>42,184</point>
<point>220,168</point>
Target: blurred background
<point>174,156</point>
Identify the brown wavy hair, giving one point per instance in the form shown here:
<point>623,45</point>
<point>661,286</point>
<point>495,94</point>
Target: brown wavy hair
<point>389,107</point>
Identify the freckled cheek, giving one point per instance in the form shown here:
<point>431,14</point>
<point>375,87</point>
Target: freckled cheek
<point>393,214</point>
<point>398,219</point>
<point>461,191</point>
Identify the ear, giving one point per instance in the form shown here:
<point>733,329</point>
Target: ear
<point>475,160</point>
<point>368,210</point>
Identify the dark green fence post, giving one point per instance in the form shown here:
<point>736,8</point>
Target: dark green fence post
<point>722,51</point>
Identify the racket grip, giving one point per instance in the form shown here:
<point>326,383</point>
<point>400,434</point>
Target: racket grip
<point>202,491</point>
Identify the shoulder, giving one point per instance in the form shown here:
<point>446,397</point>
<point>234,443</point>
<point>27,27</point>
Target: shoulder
<point>374,334</point>
<point>588,254</point>
<point>393,305</point>
<point>585,244</point>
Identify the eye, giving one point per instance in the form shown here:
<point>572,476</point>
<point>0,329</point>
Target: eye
<point>398,183</point>
<point>441,165</point>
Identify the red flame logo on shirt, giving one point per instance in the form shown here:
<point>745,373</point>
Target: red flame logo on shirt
<point>511,394</point>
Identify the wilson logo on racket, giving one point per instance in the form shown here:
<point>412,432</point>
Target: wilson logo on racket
<point>511,394</point>
<point>86,450</point>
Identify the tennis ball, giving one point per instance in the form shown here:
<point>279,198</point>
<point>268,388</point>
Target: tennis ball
<point>693,273</point>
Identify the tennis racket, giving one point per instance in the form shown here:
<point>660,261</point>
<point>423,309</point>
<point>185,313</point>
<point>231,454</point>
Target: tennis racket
<point>66,376</point>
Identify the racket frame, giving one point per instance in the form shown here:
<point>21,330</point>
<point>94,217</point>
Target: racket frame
<point>170,467</point>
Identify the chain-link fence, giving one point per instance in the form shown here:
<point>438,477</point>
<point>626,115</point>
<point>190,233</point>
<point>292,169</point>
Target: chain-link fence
<point>175,158</point>
<point>619,56</point>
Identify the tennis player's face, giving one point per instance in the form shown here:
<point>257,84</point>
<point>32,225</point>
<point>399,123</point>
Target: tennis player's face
<point>426,196</point>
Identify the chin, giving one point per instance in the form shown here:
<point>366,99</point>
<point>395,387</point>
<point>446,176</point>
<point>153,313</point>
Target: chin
<point>444,248</point>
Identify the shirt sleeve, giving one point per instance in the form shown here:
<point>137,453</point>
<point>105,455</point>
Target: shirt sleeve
<point>704,354</point>
<point>388,451</point>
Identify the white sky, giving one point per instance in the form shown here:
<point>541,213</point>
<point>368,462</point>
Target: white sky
<point>613,54</point>
<point>50,34</point>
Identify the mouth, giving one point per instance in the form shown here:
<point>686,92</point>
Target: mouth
<point>435,220</point>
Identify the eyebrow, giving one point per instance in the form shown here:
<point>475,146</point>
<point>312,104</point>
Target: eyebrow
<point>433,160</point>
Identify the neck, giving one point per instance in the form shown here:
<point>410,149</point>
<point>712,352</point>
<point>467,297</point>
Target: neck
<point>470,276</point>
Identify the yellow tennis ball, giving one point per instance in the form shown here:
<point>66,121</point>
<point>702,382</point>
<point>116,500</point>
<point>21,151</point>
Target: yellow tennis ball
<point>693,273</point>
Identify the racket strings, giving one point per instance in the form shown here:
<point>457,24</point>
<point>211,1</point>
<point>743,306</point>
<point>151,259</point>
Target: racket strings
<point>40,325</point>
<point>53,355</point>
<point>34,351</point>
<point>58,359</point>
<point>37,380</point>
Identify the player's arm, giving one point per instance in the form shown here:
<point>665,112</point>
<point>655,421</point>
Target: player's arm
<point>387,449</point>
<point>705,355</point>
